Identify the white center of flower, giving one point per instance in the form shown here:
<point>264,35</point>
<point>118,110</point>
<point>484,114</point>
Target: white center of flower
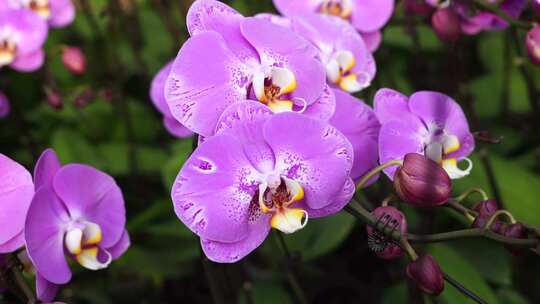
<point>276,196</point>
<point>82,242</point>
<point>339,8</point>
<point>438,148</point>
<point>8,45</point>
<point>339,71</point>
<point>40,7</point>
<point>271,87</point>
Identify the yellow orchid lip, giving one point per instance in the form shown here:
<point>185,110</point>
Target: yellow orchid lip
<point>338,8</point>
<point>271,85</point>
<point>41,7</point>
<point>8,49</point>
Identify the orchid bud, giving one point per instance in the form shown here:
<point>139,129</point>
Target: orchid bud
<point>84,98</point>
<point>421,181</point>
<point>532,41</point>
<point>536,7</point>
<point>438,3</point>
<point>54,99</point>
<point>516,231</point>
<point>391,219</point>
<point>4,105</point>
<point>485,210</point>
<point>427,274</point>
<point>74,60</point>
<point>446,24</point>
<point>417,7</point>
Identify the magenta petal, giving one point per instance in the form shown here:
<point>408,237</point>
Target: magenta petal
<point>16,191</point>
<point>214,189</point>
<point>28,62</point>
<point>311,152</point>
<point>360,125</point>
<point>13,244</point>
<point>298,55</point>
<point>46,168</point>
<point>371,15</point>
<point>206,77</point>
<point>121,246</point>
<point>31,28</point>
<point>298,7</point>
<point>232,252</point>
<point>211,15</point>
<point>372,40</point>
<point>398,138</point>
<point>46,291</point>
<point>62,13</point>
<point>92,195</point>
<point>157,90</point>
<point>341,199</point>
<point>391,105</point>
<point>323,108</point>
<point>45,236</point>
<point>175,128</point>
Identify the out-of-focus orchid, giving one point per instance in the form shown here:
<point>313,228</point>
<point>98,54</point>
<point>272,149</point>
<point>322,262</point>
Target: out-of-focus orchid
<point>16,191</point>
<point>367,16</point>
<point>428,123</point>
<point>4,105</point>
<point>57,13</point>
<point>158,99</point>
<point>22,35</point>
<point>360,125</point>
<point>74,60</point>
<point>230,58</point>
<point>76,210</point>
<point>532,42</point>
<point>261,170</point>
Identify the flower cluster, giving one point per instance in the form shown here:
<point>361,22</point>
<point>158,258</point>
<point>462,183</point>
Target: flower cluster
<point>72,210</point>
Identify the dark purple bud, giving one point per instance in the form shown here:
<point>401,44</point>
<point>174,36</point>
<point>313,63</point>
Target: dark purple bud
<point>426,274</point>
<point>74,60</point>
<point>532,42</point>
<point>84,98</point>
<point>422,182</point>
<point>446,24</point>
<point>536,7</point>
<point>517,231</point>
<point>54,99</point>
<point>417,7</point>
<point>392,219</point>
<point>4,105</point>
<point>107,94</point>
<point>486,208</point>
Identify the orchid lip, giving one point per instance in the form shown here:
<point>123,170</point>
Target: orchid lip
<point>339,71</point>
<point>438,149</point>
<point>8,50</point>
<point>272,85</point>
<point>82,241</point>
<point>40,7</point>
<point>339,8</point>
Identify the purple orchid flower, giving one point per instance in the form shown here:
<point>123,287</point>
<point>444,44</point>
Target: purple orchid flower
<point>349,64</point>
<point>230,58</point>
<point>57,13</point>
<point>4,105</point>
<point>16,191</point>
<point>157,96</point>
<point>427,123</point>
<point>261,170</point>
<point>22,35</point>
<point>76,210</point>
<point>367,16</point>
<point>358,122</point>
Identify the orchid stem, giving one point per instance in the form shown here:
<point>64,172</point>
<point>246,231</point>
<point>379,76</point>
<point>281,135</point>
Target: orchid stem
<point>462,289</point>
<point>375,171</point>
<point>291,277</point>
<point>467,193</point>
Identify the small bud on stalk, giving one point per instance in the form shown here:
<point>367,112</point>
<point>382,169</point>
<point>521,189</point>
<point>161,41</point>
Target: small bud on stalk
<point>417,7</point>
<point>54,99</point>
<point>426,274</point>
<point>4,105</point>
<point>446,24</point>
<point>485,210</point>
<point>532,42</point>
<point>517,231</point>
<point>422,182</point>
<point>74,60</point>
<point>391,219</point>
<point>84,98</point>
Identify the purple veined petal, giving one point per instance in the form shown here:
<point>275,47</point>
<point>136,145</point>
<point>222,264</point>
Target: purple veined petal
<point>206,78</point>
<point>120,247</point>
<point>45,170</point>
<point>371,15</point>
<point>44,235</point>
<point>311,152</point>
<point>298,7</point>
<point>13,244</point>
<point>29,62</point>
<point>221,252</point>
<point>215,188</point>
<point>32,29</point>
<point>391,105</point>
<point>157,90</point>
<point>46,291</point>
<point>360,125</point>
<point>4,105</point>
<point>398,138</point>
<point>372,40</point>
<point>211,15</point>
<point>323,108</point>
<point>16,191</point>
<point>340,200</point>
<point>277,45</point>
<point>62,13</point>
<point>175,128</point>
<point>91,195</point>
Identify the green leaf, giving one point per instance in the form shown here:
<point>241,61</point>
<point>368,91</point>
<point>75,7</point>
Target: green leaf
<point>180,153</point>
<point>395,294</point>
<point>71,147</point>
<point>267,293</point>
<point>461,269</point>
<point>511,296</point>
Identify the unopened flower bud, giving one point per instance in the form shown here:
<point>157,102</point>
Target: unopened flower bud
<point>74,60</point>
<point>84,98</point>
<point>446,24</point>
<point>421,181</point>
<point>485,210</point>
<point>417,7</point>
<point>536,7</point>
<point>4,105</point>
<point>54,99</point>
<point>438,3</point>
<point>426,274</point>
<point>391,219</point>
<point>532,42</point>
<point>517,231</point>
